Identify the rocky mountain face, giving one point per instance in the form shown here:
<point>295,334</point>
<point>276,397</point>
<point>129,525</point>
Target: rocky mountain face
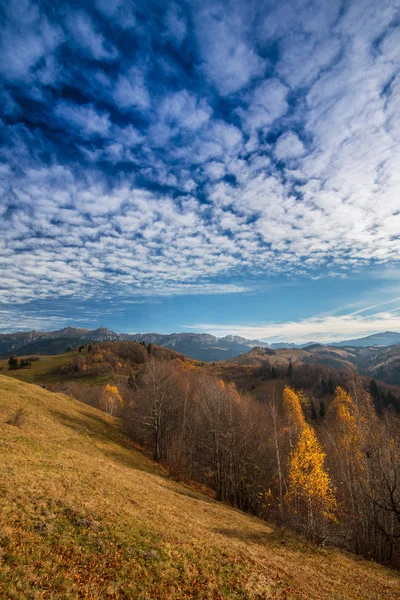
<point>202,346</point>
<point>14,342</point>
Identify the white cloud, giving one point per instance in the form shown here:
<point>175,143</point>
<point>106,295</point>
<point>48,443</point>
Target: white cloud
<point>130,90</point>
<point>90,40</point>
<point>230,62</point>
<point>266,104</point>
<point>318,329</point>
<point>288,146</point>
<point>83,118</point>
<point>184,110</point>
<point>27,39</point>
<point>119,11</point>
<point>176,23</point>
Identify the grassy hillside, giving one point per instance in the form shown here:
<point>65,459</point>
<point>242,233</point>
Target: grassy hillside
<point>41,371</point>
<point>46,370</point>
<point>85,515</point>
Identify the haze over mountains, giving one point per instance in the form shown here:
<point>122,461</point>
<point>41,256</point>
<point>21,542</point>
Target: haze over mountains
<point>387,338</point>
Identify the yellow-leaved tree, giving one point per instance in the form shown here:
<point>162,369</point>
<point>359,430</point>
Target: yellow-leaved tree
<point>110,399</point>
<point>353,430</point>
<point>311,496</point>
<point>292,403</point>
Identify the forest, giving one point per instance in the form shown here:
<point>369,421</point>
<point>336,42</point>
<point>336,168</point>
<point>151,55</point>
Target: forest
<point>314,449</point>
<point>335,480</point>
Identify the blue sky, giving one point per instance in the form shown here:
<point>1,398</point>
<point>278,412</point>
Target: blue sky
<point>229,167</point>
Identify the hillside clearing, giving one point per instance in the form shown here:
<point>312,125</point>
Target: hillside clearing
<point>83,514</point>
<point>45,370</point>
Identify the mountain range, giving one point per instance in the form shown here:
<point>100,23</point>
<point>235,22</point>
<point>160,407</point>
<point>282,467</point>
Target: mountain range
<point>387,338</point>
<point>200,346</point>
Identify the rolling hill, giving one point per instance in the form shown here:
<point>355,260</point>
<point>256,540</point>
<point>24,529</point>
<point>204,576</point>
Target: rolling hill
<point>338,358</point>
<point>382,364</point>
<point>385,365</point>
<point>83,514</point>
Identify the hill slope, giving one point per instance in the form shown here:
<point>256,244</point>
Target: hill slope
<point>338,358</point>
<point>84,514</point>
<point>382,364</point>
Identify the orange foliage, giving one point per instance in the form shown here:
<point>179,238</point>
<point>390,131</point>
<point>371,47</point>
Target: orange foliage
<point>293,408</point>
<point>348,424</point>
<point>111,399</point>
<point>308,480</point>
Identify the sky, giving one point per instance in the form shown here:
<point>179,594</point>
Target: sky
<point>221,167</point>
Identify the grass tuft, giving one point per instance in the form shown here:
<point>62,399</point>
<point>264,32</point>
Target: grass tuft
<point>18,418</point>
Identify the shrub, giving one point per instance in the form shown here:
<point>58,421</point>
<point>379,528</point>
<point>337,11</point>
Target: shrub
<point>18,418</point>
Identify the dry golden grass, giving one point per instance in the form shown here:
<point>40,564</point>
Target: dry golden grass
<point>45,371</point>
<point>41,371</point>
<point>85,515</point>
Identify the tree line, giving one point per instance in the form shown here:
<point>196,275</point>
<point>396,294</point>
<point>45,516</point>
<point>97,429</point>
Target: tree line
<point>24,363</point>
<point>336,481</point>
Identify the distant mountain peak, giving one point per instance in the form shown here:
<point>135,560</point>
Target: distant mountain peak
<point>387,338</point>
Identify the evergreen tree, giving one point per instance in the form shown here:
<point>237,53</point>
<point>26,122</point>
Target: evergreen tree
<point>132,382</point>
<point>13,362</point>
<point>378,396</point>
<point>313,412</point>
<point>322,409</point>
<point>373,387</point>
<point>392,400</point>
<point>274,374</point>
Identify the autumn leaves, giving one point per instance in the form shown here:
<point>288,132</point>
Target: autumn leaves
<point>333,480</point>
<point>310,495</point>
<point>110,400</point>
